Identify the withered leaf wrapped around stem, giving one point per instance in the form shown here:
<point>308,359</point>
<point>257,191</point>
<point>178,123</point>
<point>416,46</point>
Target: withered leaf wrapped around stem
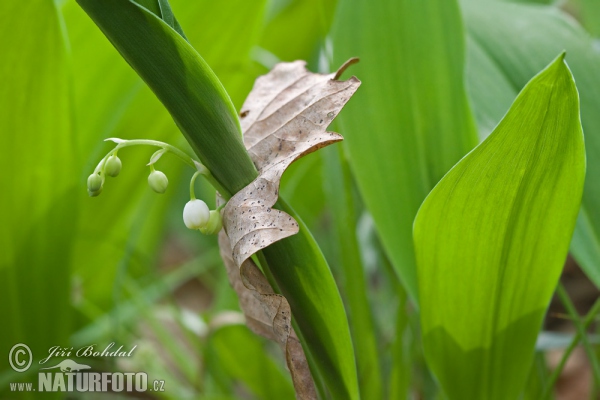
<point>284,118</point>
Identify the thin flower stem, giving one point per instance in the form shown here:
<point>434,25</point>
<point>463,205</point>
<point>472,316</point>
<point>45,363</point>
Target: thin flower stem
<point>192,191</point>
<point>195,164</point>
<point>146,142</point>
<point>557,371</point>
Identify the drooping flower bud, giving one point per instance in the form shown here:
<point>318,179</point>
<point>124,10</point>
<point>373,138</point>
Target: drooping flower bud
<point>94,182</point>
<point>158,181</point>
<point>196,214</point>
<point>214,225</point>
<point>113,166</point>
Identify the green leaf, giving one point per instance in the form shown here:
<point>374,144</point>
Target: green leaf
<point>410,122</point>
<point>492,237</point>
<point>294,29</point>
<point>162,9</point>
<point>229,55</point>
<point>590,16</point>
<point>37,207</point>
<point>338,188</point>
<point>490,90</point>
<point>519,40</point>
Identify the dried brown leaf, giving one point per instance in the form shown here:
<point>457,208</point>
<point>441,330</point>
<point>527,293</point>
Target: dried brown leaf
<point>268,314</point>
<point>284,118</point>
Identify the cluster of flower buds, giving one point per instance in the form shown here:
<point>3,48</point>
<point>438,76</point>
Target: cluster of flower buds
<point>196,214</point>
<point>95,181</point>
<point>157,180</point>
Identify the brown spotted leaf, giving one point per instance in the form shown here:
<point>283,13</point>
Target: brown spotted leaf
<point>284,118</point>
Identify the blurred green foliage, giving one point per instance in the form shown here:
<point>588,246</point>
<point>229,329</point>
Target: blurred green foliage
<point>122,268</point>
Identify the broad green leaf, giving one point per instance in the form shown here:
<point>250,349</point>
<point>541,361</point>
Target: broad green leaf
<point>590,16</point>
<point>294,29</point>
<point>338,188</point>
<point>38,209</point>
<point>492,237</point>
<point>225,33</point>
<point>519,40</point>
<point>410,122</point>
<point>490,90</point>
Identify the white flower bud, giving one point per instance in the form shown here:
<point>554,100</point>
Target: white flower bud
<point>196,214</point>
<point>158,181</point>
<point>112,166</point>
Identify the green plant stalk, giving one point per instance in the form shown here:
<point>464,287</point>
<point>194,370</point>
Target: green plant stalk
<point>193,95</point>
<point>140,142</point>
<point>570,307</point>
<point>400,376</point>
<point>558,370</point>
<point>198,166</point>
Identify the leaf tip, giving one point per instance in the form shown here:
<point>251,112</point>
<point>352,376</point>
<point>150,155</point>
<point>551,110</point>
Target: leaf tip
<point>562,55</point>
<point>345,66</point>
<point>560,59</point>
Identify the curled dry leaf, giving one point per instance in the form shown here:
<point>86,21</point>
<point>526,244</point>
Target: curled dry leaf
<point>268,314</point>
<point>284,118</point>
